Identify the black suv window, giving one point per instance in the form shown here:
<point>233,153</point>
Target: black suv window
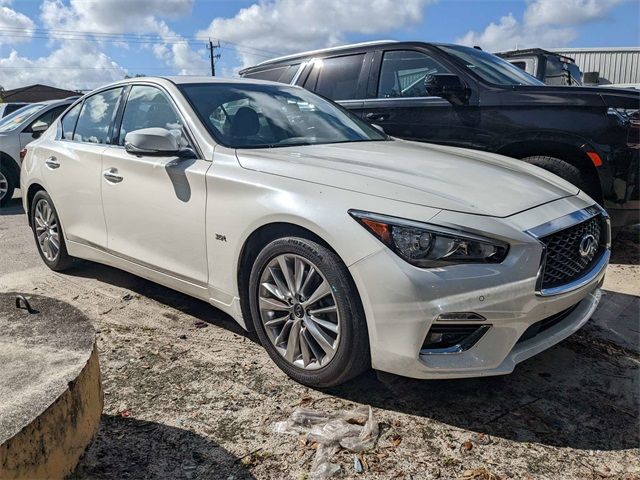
<point>149,107</point>
<point>337,78</point>
<point>403,72</point>
<point>96,117</point>
<point>69,122</point>
<point>278,74</point>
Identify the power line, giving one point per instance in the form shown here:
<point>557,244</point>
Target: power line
<point>142,38</point>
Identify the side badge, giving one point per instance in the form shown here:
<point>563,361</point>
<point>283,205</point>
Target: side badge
<point>222,238</point>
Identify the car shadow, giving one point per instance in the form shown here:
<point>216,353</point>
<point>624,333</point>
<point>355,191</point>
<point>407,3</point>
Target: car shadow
<point>572,395</point>
<point>131,448</point>
<point>199,309</point>
<point>13,207</point>
<point>625,248</point>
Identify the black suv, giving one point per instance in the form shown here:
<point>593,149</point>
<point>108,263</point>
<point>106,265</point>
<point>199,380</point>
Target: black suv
<point>461,96</point>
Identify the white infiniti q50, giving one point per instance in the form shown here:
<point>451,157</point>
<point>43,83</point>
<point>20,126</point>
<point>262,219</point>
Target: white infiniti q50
<point>343,248</point>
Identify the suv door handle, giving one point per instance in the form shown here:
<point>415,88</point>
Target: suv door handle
<point>112,176</point>
<point>52,163</point>
<point>377,116</point>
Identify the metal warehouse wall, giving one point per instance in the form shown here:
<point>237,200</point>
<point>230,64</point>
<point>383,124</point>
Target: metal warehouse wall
<point>616,65</point>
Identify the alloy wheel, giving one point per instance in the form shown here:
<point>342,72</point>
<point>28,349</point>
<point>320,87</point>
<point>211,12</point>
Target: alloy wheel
<point>47,230</point>
<point>4,185</point>
<point>299,311</point>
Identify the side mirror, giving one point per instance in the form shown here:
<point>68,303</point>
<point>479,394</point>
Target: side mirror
<point>38,128</point>
<point>447,86</point>
<point>155,142</point>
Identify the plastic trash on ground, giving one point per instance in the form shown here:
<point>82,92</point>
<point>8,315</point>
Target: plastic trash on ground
<point>354,430</point>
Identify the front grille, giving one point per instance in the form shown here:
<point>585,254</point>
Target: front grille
<point>546,324</point>
<point>564,261</point>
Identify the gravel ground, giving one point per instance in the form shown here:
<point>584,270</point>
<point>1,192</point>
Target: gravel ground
<point>189,395</point>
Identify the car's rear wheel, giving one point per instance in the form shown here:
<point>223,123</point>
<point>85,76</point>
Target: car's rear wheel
<point>7,185</point>
<point>48,234</point>
<point>307,313</point>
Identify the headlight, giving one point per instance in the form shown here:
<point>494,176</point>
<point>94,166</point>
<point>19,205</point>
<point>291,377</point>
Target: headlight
<point>429,246</point>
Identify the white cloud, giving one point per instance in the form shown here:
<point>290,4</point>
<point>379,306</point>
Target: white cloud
<point>18,22</point>
<point>112,16</point>
<point>130,17</point>
<point>75,65</point>
<point>545,23</point>
<point>567,12</point>
<point>270,27</point>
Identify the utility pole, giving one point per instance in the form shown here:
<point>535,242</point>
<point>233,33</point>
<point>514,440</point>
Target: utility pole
<point>213,57</point>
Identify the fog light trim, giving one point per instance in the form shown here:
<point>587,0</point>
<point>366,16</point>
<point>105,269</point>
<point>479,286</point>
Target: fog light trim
<point>460,317</point>
<point>461,346</point>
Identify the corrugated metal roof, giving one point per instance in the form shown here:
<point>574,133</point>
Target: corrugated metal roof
<point>615,65</point>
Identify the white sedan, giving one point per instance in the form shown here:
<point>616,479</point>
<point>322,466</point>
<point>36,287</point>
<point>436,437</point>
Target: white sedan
<point>343,248</point>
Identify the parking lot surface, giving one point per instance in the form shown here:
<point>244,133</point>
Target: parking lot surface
<point>189,395</point>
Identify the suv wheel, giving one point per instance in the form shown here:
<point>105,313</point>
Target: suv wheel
<point>564,170</point>
<point>307,314</point>
<point>7,185</point>
<point>47,232</point>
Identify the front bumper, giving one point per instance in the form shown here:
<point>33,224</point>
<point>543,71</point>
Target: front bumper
<point>406,301</point>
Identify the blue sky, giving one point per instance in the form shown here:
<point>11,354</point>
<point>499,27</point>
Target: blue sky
<point>83,43</point>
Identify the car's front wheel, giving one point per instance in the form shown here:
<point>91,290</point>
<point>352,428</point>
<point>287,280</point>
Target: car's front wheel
<point>47,232</point>
<point>307,313</point>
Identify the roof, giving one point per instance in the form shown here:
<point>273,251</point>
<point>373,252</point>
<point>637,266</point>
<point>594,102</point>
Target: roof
<point>322,50</point>
<point>186,79</point>
<point>36,93</point>
<point>597,49</point>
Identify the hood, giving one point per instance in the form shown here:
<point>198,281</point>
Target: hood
<point>577,96</point>
<point>431,175</point>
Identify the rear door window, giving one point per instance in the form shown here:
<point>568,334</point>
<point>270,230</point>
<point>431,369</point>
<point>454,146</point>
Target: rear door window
<point>96,117</point>
<point>337,78</point>
<point>403,72</point>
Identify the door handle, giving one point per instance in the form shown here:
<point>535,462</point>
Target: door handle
<point>52,163</point>
<point>112,176</point>
<point>377,116</point>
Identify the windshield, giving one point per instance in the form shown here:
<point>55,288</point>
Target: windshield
<point>17,118</point>
<point>256,116</point>
<point>490,68</point>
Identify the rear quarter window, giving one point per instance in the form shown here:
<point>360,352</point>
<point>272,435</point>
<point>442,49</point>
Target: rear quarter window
<point>279,74</point>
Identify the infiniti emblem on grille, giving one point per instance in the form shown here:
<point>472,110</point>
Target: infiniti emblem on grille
<point>588,245</point>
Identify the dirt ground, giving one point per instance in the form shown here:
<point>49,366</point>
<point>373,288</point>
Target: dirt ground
<point>189,395</point>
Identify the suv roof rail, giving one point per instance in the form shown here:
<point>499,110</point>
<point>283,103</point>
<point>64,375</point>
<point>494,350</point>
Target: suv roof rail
<point>322,50</point>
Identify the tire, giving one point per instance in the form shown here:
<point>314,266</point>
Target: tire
<point>566,171</point>
<point>341,324</point>
<point>7,184</point>
<point>45,221</point>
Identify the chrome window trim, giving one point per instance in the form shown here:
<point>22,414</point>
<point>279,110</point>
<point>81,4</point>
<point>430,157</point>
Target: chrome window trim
<point>296,76</point>
<point>562,223</point>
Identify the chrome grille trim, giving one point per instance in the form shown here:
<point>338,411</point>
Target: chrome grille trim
<point>598,263</point>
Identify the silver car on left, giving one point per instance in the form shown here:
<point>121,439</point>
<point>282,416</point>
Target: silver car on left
<point>16,131</point>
